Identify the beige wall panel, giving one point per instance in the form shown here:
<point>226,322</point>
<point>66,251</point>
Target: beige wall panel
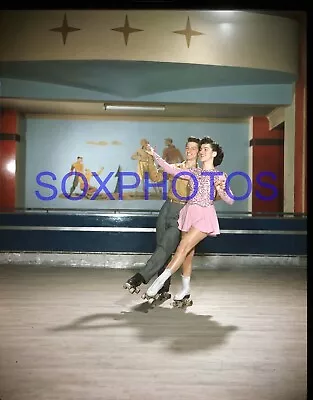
<point>241,39</point>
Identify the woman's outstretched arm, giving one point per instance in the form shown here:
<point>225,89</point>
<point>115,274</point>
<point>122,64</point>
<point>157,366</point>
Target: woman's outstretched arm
<point>170,168</point>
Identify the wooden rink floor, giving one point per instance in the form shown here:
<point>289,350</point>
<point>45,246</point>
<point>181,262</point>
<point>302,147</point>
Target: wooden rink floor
<point>76,334</point>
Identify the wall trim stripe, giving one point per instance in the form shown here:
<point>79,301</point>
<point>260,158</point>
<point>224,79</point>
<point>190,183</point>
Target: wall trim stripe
<point>141,230</point>
<point>10,136</point>
<point>266,142</point>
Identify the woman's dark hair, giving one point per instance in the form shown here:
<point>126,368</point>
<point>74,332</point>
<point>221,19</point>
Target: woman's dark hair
<point>194,140</point>
<point>218,159</point>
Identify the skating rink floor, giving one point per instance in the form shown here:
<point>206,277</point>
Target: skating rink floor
<point>76,334</point>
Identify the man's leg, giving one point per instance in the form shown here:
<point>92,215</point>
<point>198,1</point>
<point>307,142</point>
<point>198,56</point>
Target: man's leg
<point>168,241</point>
<point>75,183</point>
<point>137,279</point>
<point>167,238</point>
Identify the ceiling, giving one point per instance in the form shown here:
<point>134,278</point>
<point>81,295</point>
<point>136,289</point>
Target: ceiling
<point>135,79</point>
<point>130,81</point>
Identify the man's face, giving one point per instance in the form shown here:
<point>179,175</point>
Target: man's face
<point>191,151</point>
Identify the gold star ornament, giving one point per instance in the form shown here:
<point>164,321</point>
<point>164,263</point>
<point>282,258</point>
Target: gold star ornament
<point>64,29</point>
<point>188,32</point>
<point>126,30</point>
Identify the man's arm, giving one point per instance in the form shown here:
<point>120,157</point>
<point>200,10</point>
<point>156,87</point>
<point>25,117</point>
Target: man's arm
<point>156,175</point>
<point>135,156</point>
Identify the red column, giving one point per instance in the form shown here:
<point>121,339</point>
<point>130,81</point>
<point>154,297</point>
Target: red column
<point>267,158</point>
<point>300,173</point>
<point>8,137</point>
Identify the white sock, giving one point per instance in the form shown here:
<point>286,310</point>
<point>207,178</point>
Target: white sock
<point>185,288</point>
<point>158,283</point>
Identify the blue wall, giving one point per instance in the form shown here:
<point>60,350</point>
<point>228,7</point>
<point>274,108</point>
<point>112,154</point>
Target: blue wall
<point>53,145</point>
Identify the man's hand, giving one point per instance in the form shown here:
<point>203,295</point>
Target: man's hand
<point>221,184</point>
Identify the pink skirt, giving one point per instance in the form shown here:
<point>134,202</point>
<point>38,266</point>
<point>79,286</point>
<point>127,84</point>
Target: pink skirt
<point>202,218</point>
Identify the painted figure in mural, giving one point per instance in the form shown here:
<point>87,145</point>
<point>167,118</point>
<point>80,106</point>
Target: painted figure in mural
<point>171,153</point>
<point>142,157</point>
<point>197,219</point>
<point>77,166</point>
<point>167,232</point>
<point>88,176</point>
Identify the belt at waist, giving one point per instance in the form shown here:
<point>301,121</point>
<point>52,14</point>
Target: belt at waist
<point>176,201</point>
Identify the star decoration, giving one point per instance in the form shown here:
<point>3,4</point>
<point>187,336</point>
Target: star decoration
<point>126,30</point>
<point>188,32</point>
<point>64,29</point>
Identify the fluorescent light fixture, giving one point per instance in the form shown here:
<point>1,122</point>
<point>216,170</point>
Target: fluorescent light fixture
<point>119,107</point>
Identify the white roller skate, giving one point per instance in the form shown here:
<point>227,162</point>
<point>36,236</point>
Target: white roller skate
<point>182,299</point>
<point>152,293</point>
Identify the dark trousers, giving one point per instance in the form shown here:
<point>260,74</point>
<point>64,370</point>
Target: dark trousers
<point>167,237</point>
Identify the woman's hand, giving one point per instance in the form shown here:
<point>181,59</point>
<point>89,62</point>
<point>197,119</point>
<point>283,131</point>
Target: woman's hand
<point>149,149</point>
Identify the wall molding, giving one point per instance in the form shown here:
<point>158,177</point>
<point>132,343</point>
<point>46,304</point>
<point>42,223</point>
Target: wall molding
<point>266,142</point>
<point>10,136</point>
<point>276,117</point>
<point>135,118</point>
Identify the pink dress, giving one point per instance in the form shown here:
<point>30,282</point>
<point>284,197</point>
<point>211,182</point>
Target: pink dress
<point>199,210</point>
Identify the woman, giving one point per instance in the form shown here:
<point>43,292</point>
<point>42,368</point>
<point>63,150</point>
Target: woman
<point>197,219</point>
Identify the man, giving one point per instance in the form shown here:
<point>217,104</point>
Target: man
<point>171,154</point>
<point>77,167</point>
<point>142,157</point>
<point>167,232</point>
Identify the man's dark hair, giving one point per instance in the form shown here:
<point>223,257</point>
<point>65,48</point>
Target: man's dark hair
<point>193,139</point>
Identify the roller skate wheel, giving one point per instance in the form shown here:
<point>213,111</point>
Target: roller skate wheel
<point>165,296</point>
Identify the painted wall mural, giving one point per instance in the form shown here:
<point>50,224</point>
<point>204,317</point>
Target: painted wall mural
<point>85,164</point>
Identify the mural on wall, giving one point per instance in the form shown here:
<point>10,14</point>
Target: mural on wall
<point>84,181</point>
<point>84,164</point>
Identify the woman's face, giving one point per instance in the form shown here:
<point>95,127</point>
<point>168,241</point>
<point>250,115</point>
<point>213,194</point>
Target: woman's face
<point>206,153</point>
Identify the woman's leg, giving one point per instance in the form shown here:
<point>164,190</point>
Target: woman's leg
<point>186,275</point>
<point>187,243</point>
<point>187,264</point>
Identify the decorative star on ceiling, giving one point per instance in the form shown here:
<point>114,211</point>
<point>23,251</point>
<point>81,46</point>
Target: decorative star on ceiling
<point>65,29</point>
<point>126,30</point>
<point>188,32</point>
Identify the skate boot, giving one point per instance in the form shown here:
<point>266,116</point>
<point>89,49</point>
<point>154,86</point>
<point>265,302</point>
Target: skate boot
<point>132,285</point>
<point>162,295</point>
<point>182,299</point>
<point>154,291</point>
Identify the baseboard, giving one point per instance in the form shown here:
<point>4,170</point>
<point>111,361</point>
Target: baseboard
<point>137,261</point>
